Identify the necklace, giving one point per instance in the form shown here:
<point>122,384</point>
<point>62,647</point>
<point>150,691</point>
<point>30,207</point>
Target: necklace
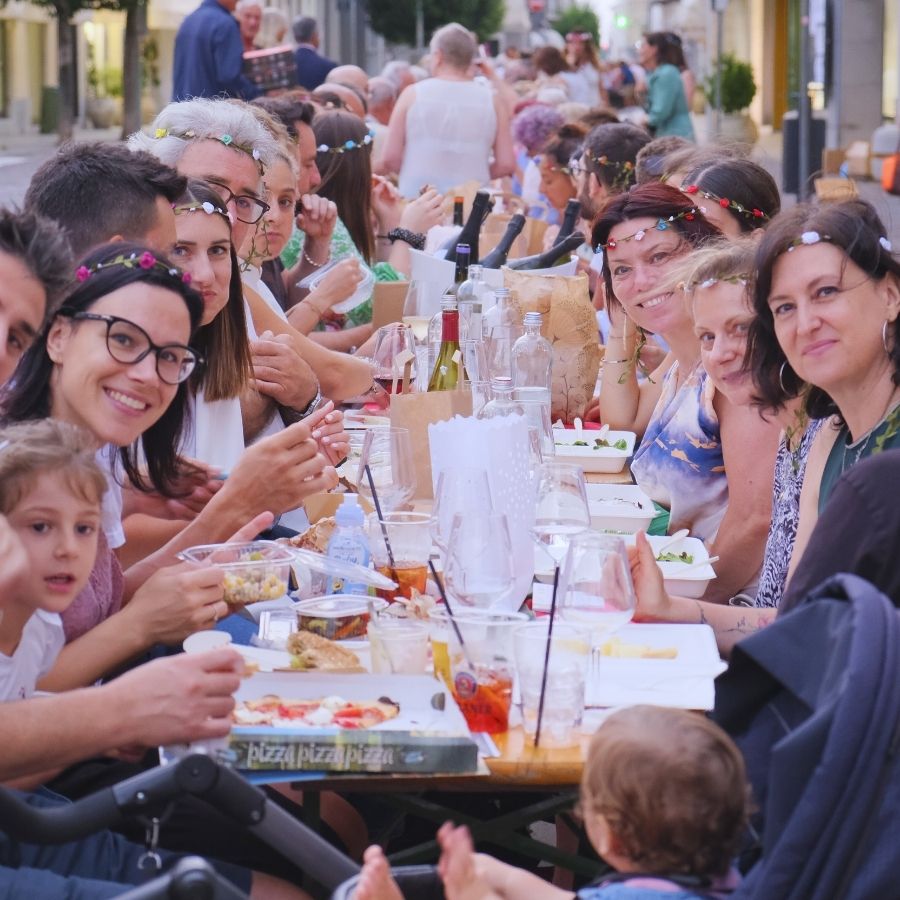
<point>852,453</point>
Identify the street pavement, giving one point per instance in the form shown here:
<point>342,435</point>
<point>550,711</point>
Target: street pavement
<point>20,156</point>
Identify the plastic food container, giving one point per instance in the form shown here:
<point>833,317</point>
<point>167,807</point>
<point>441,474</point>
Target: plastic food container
<point>692,583</point>
<point>360,295</point>
<point>619,507</point>
<point>580,448</point>
<point>254,571</point>
<point>338,617</point>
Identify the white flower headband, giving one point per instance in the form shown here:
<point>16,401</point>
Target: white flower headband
<point>808,238</point>
<point>347,145</point>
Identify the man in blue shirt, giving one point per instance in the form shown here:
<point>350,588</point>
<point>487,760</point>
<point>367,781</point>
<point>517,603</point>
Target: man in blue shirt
<point>312,67</point>
<point>209,54</point>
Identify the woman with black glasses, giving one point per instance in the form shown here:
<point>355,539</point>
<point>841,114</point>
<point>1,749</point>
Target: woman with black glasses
<point>115,360</point>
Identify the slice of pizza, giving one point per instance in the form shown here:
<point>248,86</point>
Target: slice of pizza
<point>312,651</point>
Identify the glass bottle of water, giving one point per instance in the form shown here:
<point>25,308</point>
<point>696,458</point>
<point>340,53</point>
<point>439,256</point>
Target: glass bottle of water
<point>532,363</point>
<point>501,402</point>
<point>502,314</point>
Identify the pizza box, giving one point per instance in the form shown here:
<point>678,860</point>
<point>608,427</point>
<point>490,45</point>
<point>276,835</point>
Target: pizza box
<point>428,736</point>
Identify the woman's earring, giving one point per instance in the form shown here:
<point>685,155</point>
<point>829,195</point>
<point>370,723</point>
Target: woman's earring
<point>884,337</point>
<point>784,390</point>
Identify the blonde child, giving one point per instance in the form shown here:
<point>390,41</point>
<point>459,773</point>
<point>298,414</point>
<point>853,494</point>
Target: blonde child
<point>51,489</point>
<point>664,801</point>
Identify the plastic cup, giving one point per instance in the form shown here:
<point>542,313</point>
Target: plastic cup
<point>480,672</point>
<point>409,535</point>
<point>566,672</point>
<point>398,646</point>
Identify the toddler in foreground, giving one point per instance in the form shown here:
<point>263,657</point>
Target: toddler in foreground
<point>664,800</point>
<point>51,489</point>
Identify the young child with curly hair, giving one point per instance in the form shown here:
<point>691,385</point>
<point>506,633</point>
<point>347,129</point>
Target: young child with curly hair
<point>664,799</point>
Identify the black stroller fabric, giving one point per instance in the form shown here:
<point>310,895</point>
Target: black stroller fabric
<point>813,702</point>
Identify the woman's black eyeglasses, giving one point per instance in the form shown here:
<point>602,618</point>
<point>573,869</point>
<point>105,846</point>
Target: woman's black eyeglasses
<point>128,343</point>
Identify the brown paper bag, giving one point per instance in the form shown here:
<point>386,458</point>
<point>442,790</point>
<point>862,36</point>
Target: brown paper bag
<point>571,326</point>
<point>416,412</point>
<point>388,298</point>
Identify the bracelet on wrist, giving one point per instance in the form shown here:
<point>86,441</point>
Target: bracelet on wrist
<point>311,261</point>
<point>414,239</point>
<point>617,362</point>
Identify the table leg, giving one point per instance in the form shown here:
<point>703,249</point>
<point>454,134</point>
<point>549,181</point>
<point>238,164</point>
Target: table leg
<point>499,831</point>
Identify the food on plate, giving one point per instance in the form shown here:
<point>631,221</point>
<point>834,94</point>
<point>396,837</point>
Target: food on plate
<point>252,585</point>
<point>599,444</point>
<point>316,537</point>
<point>671,556</point>
<point>619,649</point>
<point>327,712</point>
<point>312,651</point>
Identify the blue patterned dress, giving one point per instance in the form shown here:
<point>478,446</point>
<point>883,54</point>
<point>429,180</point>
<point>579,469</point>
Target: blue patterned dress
<point>679,462</point>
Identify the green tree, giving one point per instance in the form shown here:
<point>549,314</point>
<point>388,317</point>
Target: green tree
<point>578,18</point>
<point>395,20</point>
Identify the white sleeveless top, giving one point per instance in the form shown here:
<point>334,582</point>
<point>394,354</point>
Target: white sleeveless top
<point>450,130</point>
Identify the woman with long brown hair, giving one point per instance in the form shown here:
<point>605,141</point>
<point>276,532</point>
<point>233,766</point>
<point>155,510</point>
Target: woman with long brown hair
<point>692,436</point>
<point>344,161</point>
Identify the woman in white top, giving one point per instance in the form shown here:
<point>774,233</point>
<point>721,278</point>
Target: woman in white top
<point>445,130</point>
<point>581,54</point>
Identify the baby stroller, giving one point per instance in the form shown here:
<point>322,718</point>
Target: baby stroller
<point>813,702</point>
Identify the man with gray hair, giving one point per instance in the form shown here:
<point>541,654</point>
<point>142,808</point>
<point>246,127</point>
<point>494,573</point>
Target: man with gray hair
<point>224,144</point>
<point>399,73</point>
<point>382,96</point>
<point>312,67</point>
<point>249,14</point>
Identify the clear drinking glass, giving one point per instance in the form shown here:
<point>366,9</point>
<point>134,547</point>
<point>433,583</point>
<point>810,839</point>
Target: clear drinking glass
<point>565,683</point>
<point>561,510</point>
<point>388,454</point>
<point>596,591</point>
<point>394,349</point>
<point>459,491</point>
<point>416,310</point>
<point>479,569</point>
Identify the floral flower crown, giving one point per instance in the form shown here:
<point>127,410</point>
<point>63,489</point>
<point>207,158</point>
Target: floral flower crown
<point>662,225</point>
<point>743,279</point>
<point>622,168</point>
<point>725,203</point>
<point>347,145</point>
<point>226,139</point>
<point>808,238</point>
<point>209,208</point>
<point>145,260</point>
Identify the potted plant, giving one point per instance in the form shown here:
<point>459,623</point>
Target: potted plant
<point>737,91</point>
<point>104,103</point>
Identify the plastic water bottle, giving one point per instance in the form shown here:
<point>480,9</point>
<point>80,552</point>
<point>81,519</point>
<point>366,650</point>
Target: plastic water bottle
<point>532,363</point>
<point>349,542</point>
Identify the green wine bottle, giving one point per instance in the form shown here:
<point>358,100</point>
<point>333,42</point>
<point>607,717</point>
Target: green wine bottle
<point>448,370</point>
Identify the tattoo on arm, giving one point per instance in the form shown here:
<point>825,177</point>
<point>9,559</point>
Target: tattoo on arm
<point>745,625</point>
<point>703,620</point>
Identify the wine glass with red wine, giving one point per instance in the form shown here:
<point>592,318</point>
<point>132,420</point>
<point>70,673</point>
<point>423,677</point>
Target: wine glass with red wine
<point>394,358</point>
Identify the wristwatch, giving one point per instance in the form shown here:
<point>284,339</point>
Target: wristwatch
<point>289,415</point>
<point>414,239</point>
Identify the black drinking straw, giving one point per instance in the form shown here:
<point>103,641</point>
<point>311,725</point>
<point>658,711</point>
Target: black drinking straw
<point>384,531</point>
<point>540,715</point>
<point>450,615</point>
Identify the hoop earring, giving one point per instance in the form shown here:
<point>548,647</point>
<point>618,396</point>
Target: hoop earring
<point>784,390</point>
<point>884,337</point>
